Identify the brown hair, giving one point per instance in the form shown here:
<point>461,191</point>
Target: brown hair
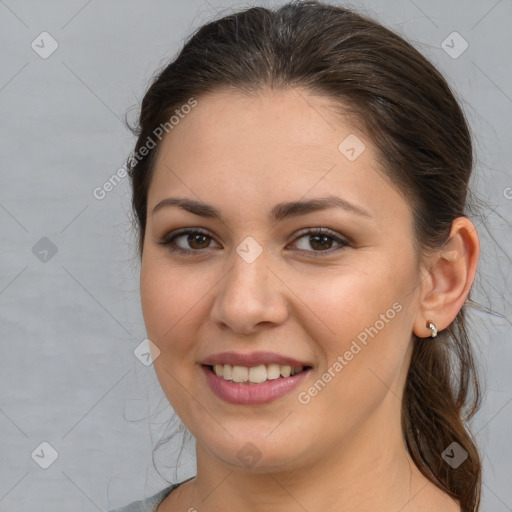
<point>411,116</point>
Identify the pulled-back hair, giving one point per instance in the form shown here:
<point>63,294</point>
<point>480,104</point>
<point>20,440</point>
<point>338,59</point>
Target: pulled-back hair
<point>408,111</point>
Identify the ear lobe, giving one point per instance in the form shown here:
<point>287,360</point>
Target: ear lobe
<point>451,273</point>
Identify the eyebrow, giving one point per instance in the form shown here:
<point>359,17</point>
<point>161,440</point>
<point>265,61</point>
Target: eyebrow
<point>279,212</point>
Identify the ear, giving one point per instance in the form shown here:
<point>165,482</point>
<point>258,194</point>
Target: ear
<point>449,274</point>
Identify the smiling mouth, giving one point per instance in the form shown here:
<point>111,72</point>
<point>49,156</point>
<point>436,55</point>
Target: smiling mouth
<point>255,374</point>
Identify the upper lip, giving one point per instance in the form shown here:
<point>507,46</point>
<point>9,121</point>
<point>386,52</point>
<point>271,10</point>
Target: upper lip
<point>252,359</point>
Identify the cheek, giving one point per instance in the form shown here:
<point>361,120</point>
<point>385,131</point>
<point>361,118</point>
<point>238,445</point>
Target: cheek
<point>156,294</point>
<point>175,303</point>
<point>346,303</point>
<point>168,295</point>
<point>366,319</point>
<point>170,310</point>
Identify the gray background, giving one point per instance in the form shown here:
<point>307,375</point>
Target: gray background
<point>71,321</point>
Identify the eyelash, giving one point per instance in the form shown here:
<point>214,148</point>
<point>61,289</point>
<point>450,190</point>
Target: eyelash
<point>168,241</point>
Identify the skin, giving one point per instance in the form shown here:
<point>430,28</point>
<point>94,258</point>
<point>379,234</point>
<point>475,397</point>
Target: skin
<point>244,154</point>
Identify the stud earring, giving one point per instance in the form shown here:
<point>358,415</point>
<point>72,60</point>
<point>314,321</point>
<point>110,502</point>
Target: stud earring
<point>432,327</point>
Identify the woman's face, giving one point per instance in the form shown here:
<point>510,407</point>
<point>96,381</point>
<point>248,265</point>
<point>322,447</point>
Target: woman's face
<point>259,291</point>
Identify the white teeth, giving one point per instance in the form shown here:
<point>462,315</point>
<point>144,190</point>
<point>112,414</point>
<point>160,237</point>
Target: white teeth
<point>219,369</point>
<point>240,373</point>
<point>258,374</point>
<point>255,374</point>
<point>273,371</point>
<point>286,371</point>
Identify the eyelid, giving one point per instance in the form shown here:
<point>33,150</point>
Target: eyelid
<point>320,230</point>
<point>315,231</point>
<point>167,240</point>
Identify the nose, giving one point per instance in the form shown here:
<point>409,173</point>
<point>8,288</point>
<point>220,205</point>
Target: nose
<point>250,297</point>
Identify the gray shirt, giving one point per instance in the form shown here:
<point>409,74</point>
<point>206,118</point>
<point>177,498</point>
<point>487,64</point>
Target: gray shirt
<point>149,504</point>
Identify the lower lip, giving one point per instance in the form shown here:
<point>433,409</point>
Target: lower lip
<point>252,394</point>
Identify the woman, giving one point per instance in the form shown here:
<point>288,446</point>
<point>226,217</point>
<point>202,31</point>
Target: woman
<point>299,186</point>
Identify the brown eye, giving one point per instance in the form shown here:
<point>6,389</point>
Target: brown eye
<point>321,241</point>
<point>199,239</point>
<point>191,241</point>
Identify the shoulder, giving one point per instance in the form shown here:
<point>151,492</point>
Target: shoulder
<point>149,504</point>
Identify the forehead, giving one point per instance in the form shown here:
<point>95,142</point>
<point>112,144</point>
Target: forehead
<point>290,121</point>
<point>265,148</point>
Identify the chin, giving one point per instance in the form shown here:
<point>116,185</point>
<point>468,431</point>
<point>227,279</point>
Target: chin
<point>258,453</point>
